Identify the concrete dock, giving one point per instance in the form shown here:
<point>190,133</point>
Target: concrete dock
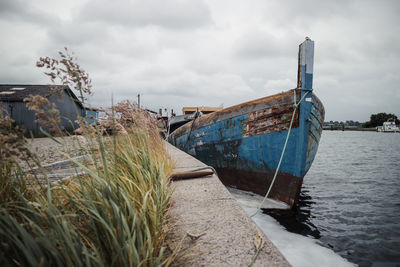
<point>210,226</point>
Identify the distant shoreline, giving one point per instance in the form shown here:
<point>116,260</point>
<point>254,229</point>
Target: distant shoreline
<point>348,128</point>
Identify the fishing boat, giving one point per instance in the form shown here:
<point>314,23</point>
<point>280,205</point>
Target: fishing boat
<point>251,143</point>
<point>177,121</point>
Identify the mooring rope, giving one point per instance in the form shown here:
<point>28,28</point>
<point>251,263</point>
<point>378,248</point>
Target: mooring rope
<point>295,106</point>
<point>203,168</point>
<point>196,115</point>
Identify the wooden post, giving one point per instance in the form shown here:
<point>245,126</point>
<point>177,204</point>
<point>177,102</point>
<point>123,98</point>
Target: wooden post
<point>306,64</point>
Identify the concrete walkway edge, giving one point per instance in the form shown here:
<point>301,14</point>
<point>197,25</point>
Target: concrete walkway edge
<point>215,230</point>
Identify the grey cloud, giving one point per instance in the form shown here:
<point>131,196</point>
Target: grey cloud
<point>299,10</point>
<point>179,53</point>
<point>74,34</point>
<point>131,27</point>
<point>260,45</point>
<point>19,10</point>
<point>172,14</point>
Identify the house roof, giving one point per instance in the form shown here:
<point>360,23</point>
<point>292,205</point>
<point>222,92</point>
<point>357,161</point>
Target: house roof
<point>189,110</point>
<point>17,92</point>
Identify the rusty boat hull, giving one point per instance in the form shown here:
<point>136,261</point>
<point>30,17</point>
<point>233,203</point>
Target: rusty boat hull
<point>244,143</point>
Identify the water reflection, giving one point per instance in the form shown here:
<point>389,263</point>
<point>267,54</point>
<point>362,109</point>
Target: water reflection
<point>297,220</point>
<point>350,198</point>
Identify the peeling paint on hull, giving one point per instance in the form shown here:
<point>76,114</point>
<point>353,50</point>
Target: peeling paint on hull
<point>244,143</point>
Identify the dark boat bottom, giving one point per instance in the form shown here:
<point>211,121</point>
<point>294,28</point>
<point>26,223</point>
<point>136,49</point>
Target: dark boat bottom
<point>286,187</point>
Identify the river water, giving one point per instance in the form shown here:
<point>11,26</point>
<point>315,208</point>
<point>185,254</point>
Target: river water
<point>349,205</point>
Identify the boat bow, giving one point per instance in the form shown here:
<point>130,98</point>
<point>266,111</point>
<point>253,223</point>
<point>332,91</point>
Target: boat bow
<point>244,142</point>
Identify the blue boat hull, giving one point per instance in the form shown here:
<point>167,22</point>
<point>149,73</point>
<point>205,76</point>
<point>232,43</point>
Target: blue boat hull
<point>244,143</point>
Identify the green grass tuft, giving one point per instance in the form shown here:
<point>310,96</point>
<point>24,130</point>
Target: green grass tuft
<point>113,215</point>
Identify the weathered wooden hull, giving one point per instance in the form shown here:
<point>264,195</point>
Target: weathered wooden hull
<point>244,143</point>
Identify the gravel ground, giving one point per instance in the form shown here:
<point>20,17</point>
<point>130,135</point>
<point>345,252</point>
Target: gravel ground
<point>50,151</point>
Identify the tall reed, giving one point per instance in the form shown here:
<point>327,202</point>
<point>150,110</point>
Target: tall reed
<point>113,215</point>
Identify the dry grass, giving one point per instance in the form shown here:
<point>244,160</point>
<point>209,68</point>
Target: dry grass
<point>114,215</point>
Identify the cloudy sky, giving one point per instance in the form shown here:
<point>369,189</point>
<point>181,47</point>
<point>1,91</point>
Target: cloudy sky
<point>212,52</point>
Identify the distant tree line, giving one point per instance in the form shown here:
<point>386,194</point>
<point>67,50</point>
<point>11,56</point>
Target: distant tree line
<point>339,123</point>
<point>379,119</point>
<point>375,120</point>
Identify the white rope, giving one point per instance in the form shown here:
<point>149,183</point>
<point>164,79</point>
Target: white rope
<point>295,106</point>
